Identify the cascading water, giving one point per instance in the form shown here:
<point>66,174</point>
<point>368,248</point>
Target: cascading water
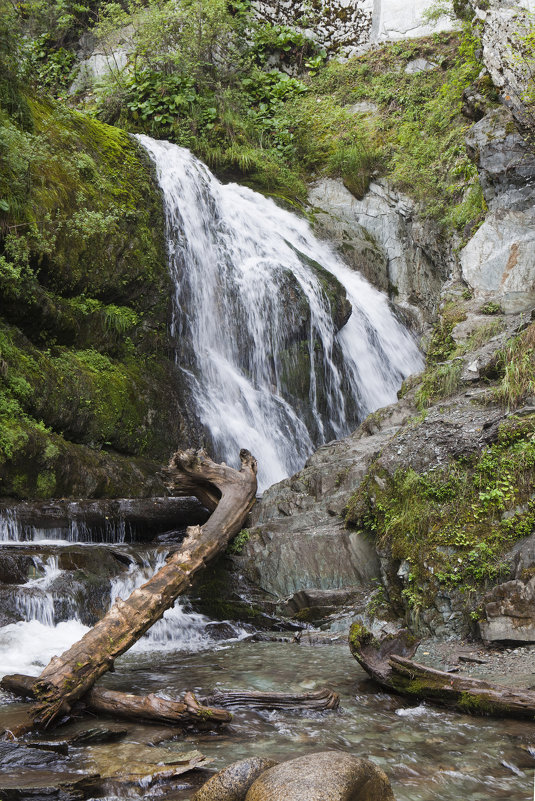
<point>260,315</point>
<point>178,628</point>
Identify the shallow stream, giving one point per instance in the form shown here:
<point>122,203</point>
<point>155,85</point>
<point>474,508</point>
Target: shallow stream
<point>427,753</point>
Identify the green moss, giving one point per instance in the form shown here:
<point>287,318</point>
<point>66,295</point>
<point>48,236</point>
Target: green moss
<point>84,290</point>
<point>453,525</point>
<point>471,704</point>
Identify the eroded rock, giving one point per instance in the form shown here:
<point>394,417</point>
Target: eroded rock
<point>509,611</point>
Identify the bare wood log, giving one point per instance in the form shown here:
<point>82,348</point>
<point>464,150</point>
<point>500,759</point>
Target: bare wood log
<point>320,699</point>
<point>138,707</point>
<point>387,662</point>
<point>69,676</point>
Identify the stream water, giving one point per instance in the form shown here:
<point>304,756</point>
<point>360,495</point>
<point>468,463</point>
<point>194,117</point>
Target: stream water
<point>427,753</point>
<point>260,315</point>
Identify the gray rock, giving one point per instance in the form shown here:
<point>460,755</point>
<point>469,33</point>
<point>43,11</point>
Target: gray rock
<point>523,557</point>
<point>364,107</point>
<point>498,263</point>
<point>382,237</point>
<point>505,161</point>
<point>313,604</point>
<point>327,776</point>
<point>417,65</point>
<point>233,782</point>
<point>502,23</point>
<point>509,611</point>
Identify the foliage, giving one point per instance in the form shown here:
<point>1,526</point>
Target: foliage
<point>491,308</point>
<point>83,298</point>
<point>238,543</point>
<point>516,364</point>
<point>453,524</point>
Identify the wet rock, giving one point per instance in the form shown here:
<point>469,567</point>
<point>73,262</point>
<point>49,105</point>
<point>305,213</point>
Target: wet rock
<point>232,783</point>
<point>134,763</point>
<point>327,776</point>
<point>14,567</point>
<point>44,785</point>
<point>509,611</point>
<point>97,735</point>
<point>101,520</point>
<point>313,604</point>
<point>297,538</point>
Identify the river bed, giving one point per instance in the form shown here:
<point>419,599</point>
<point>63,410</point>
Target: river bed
<point>427,753</point>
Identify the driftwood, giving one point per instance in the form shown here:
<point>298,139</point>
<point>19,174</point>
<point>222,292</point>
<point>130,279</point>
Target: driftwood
<point>231,494</point>
<point>389,663</point>
<point>321,699</point>
<point>137,707</point>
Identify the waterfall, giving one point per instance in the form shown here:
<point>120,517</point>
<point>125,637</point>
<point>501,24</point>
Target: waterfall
<point>260,315</point>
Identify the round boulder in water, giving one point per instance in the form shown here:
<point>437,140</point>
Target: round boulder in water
<point>327,776</point>
<point>233,782</point>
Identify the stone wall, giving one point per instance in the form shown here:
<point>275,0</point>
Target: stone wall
<point>351,26</point>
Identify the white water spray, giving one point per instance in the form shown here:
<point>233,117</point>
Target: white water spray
<point>255,297</point>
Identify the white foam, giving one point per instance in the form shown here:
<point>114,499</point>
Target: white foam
<point>26,647</point>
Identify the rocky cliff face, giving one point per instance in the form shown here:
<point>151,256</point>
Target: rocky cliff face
<point>385,238</point>
<point>349,26</point>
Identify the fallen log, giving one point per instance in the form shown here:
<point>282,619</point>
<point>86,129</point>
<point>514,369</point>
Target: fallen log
<point>387,661</point>
<point>231,493</point>
<point>137,707</point>
<point>320,699</point>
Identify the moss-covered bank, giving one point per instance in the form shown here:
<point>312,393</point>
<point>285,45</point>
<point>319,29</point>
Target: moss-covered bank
<point>85,374</point>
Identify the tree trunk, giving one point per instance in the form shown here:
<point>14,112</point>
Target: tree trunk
<point>137,707</point>
<point>387,663</point>
<point>231,494</point>
<point>320,699</point>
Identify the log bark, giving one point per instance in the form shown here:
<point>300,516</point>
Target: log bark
<point>389,664</point>
<point>133,707</point>
<point>231,493</point>
<point>320,699</point>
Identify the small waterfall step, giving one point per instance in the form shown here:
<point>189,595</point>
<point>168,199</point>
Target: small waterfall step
<point>86,521</point>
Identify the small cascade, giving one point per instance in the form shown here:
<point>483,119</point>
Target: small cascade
<point>110,531</point>
<point>282,345</point>
<point>179,628</point>
<point>9,528</point>
<point>34,600</point>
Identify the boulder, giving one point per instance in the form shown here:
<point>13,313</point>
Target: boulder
<point>523,558</point>
<point>498,263</point>
<point>233,782</point>
<point>416,65</point>
<point>327,776</point>
<point>509,613</point>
